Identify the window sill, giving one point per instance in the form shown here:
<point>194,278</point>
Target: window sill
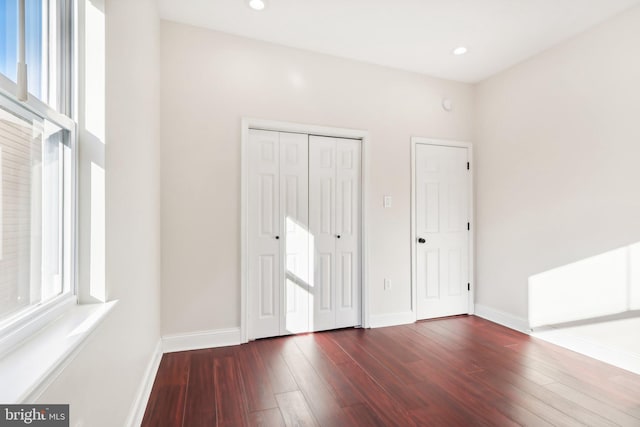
<point>29,369</point>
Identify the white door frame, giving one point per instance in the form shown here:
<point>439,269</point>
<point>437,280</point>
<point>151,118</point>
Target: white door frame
<point>415,140</point>
<point>272,125</point>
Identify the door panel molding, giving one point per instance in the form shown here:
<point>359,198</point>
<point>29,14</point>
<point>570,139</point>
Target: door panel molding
<point>264,225</point>
<point>279,126</point>
<point>334,185</point>
<point>435,223</point>
<point>294,203</point>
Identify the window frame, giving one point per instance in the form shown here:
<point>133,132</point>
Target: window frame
<point>24,324</point>
<point>63,70</point>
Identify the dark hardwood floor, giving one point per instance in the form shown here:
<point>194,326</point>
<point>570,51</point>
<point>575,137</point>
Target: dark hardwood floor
<point>458,371</point>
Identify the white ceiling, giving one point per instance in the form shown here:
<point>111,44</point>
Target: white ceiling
<point>413,35</point>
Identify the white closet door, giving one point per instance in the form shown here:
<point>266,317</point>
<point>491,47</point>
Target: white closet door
<point>322,218</point>
<point>264,234</point>
<point>347,233</point>
<point>294,205</point>
<point>334,212</point>
<point>304,233</point>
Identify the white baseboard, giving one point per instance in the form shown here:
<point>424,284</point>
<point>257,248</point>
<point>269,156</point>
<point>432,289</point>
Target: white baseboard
<point>136,412</point>
<point>500,317</point>
<point>199,340</point>
<point>391,319</point>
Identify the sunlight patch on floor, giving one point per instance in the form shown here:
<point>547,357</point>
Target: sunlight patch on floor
<point>615,341</point>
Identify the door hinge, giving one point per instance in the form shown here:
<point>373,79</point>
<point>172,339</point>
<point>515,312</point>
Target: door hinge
<point>468,226</point>
<point>468,166</point>
<point>468,286</point>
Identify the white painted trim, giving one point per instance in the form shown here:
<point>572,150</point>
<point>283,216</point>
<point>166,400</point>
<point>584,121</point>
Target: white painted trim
<point>26,325</point>
<point>613,356</point>
<point>200,340</point>
<point>244,234</point>
<point>412,246</point>
<point>278,126</point>
<point>136,413</point>
<point>35,106</point>
<point>442,142</point>
<point>519,324</point>
<point>31,368</point>
<point>365,295</point>
<point>447,143</point>
<point>392,319</point>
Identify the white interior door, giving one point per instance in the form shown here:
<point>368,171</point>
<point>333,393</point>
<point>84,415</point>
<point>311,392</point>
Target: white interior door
<point>304,233</point>
<point>334,212</point>
<point>294,204</point>
<point>322,219</point>
<point>264,234</point>
<point>347,233</point>
<point>442,235</point>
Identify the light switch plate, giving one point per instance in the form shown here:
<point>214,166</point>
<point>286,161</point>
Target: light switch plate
<point>387,284</point>
<point>386,201</point>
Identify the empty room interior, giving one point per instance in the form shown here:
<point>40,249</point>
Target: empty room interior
<point>330,213</point>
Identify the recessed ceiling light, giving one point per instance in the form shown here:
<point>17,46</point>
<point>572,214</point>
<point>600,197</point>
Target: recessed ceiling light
<point>256,4</point>
<point>460,50</point>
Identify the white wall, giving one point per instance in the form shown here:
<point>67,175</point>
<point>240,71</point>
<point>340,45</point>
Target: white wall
<point>558,145</point>
<point>606,284</point>
<point>209,81</point>
<point>103,379</point>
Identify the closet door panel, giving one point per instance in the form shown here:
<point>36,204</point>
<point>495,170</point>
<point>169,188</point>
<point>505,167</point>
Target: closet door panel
<point>347,233</point>
<point>304,232</point>
<point>294,205</point>
<point>264,228</point>
<point>322,218</point>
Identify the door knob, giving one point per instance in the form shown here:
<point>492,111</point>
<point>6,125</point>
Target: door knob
<point>277,237</point>
<point>338,236</point>
<point>421,240</point>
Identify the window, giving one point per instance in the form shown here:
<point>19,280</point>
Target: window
<point>47,46</point>
<point>35,210</point>
<point>37,172</point>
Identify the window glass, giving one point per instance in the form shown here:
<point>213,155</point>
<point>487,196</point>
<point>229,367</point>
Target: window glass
<point>8,38</point>
<point>36,49</point>
<point>35,226</point>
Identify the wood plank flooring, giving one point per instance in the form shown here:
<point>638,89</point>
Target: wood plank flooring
<point>458,371</point>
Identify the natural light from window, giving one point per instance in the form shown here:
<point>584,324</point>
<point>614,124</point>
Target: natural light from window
<point>94,69</point>
<point>299,288</point>
<point>602,285</point>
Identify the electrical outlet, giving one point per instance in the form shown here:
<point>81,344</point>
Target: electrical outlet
<point>387,284</point>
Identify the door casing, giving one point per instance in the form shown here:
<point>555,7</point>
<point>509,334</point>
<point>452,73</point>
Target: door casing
<point>415,140</point>
<point>278,126</point>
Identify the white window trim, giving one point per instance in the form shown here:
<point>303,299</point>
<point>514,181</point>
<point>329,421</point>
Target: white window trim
<point>65,21</point>
<point>34,109</point>
<point>24,325</point>
<point>15,331</point>
<point>27,371</point>
<point>43,340</point>
<point>37,344</point>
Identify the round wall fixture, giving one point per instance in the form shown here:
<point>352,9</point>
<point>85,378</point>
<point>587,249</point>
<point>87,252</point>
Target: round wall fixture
<point>447,104</point>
